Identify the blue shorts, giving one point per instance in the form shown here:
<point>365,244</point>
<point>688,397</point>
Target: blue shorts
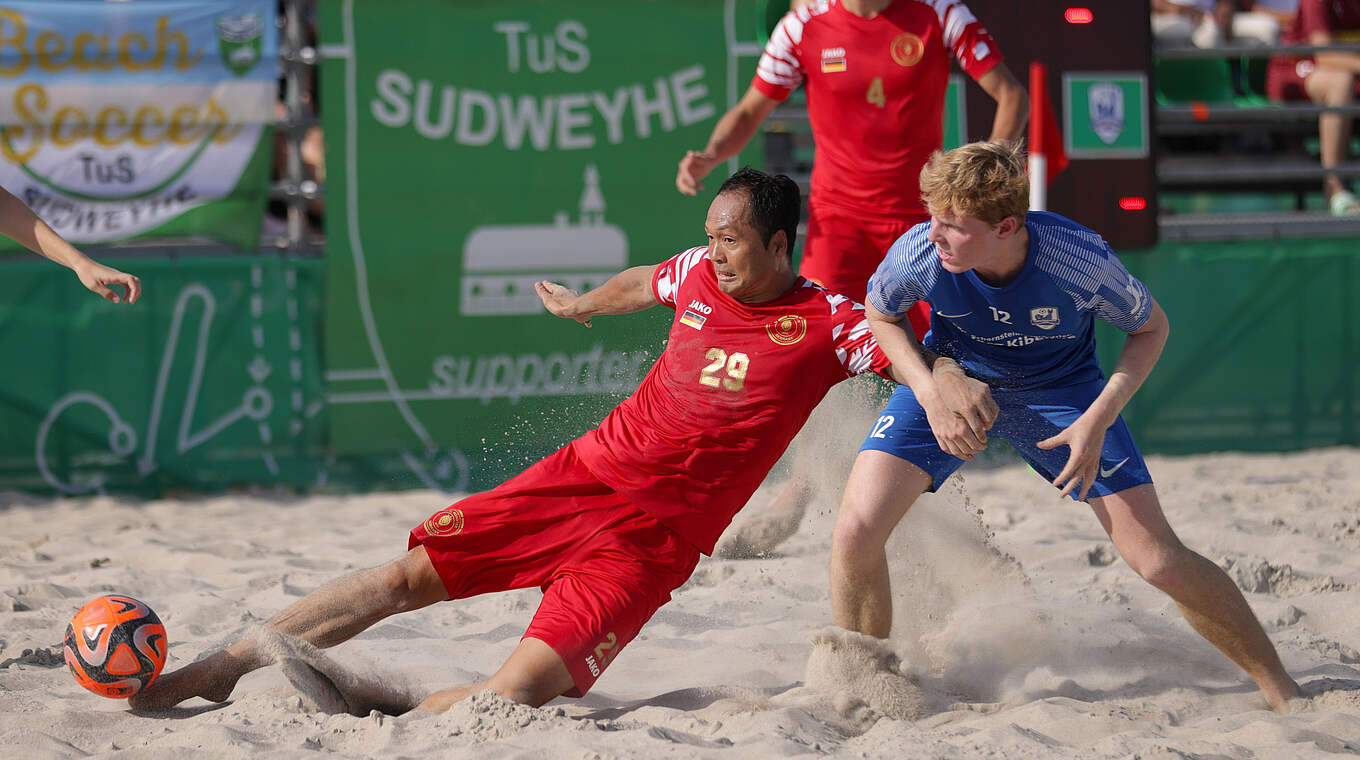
<point>1026,417</point>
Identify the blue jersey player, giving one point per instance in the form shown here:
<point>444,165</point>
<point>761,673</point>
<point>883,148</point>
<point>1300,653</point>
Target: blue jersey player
<point>1011,352</point>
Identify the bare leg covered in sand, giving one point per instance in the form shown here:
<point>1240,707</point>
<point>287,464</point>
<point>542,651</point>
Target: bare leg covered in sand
<point>335,613</point>
<point>1207,597</point>
<point>881,489</point>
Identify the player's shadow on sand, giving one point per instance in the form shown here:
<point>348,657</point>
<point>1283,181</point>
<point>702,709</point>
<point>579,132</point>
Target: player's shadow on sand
<point>179,713</point>
<point>689,700</point>
<point>1327,688</point>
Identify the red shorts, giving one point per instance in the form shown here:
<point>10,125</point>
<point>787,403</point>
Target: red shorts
<point>604,565</point>
<point>842,252</point>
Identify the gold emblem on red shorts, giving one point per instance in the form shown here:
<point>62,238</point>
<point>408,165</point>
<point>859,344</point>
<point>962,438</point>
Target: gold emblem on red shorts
<point>445,522</point>
<point>907,49</point>
<point>787,330</point>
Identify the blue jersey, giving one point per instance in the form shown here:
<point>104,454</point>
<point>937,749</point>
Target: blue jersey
<point>1036,330</point>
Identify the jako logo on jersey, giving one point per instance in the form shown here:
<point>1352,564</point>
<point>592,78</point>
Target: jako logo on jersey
<point>787,330</point>
<point>1044,317</point>
<point>693,319</point>
<point>700,307</point>
<point>907,49</point>
<point>833,60</point>
<point>590,663</point>
<point>446,522</point>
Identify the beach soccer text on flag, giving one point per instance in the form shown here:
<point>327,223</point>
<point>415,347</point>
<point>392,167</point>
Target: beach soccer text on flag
<point>123,120</point>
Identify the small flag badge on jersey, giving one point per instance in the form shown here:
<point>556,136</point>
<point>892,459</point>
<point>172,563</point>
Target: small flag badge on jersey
<point>833,60</point>
<point>693,319</point>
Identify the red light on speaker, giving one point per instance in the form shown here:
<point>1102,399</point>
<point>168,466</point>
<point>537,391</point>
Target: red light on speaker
<point>1133,203</point>
<point>1079,15</point>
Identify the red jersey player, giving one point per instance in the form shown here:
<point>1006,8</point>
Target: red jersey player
<point>614,522</point>
<point>876,73</point>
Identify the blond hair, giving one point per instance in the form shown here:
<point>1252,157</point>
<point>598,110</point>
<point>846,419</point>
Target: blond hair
<point>984,180</point>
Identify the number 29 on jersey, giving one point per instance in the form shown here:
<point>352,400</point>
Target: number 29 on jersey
<point>724,370</point>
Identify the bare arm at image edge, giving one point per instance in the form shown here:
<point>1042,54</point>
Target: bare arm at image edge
<point>18,222</point>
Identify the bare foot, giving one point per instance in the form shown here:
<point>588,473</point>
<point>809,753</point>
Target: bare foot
<point>1284,699</point>
<point>212,678</point>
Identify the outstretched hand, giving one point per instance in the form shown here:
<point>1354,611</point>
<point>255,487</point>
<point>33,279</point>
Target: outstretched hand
<point>693,167</point>
<point>1085,439</point>
<point>559,300</point>
<point>101,279</point>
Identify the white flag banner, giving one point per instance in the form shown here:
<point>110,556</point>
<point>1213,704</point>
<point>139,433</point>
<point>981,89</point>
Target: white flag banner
<point>120,120</point>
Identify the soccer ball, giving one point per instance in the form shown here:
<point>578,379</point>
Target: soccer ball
<point>115,646</point>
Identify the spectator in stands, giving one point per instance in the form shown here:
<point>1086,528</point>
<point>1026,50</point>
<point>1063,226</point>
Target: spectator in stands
<point>1213,23</point>
<point>1328,78</point>
<point>19,223</point>
<point>311,151</point>
<point>1282,11</point>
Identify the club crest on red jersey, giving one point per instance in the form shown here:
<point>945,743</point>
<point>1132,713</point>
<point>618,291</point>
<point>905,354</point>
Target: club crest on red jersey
<point>907,49</point>
<point>445,522</point>
<point>787,330</point>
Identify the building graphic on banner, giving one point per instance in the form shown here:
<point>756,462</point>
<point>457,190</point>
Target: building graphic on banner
<point>501,263</point>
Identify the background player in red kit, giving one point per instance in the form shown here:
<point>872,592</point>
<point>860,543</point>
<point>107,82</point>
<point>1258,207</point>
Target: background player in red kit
<point>615,521</point>
<point>876,73</point>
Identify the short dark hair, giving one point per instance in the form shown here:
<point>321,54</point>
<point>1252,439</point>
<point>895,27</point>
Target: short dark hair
<point>774,202</point>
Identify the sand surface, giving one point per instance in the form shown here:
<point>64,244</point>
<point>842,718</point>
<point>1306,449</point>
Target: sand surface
<point>1020,632</point>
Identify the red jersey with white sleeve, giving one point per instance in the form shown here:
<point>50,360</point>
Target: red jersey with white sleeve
<point>734,384</point>
<point>875,93</point>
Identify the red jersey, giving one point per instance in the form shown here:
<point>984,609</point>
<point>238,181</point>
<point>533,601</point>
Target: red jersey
<point>875,93</point>
<point>733,386</point>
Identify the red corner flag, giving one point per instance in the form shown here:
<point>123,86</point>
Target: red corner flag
<point>1046,155</point>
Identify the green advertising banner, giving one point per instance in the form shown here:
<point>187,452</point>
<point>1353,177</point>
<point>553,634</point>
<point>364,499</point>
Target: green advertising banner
<point>1264,353</point>
<point>1105,114</point>
<point>474,148</point>
<point>212,379</point>
<point>133,120</point>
